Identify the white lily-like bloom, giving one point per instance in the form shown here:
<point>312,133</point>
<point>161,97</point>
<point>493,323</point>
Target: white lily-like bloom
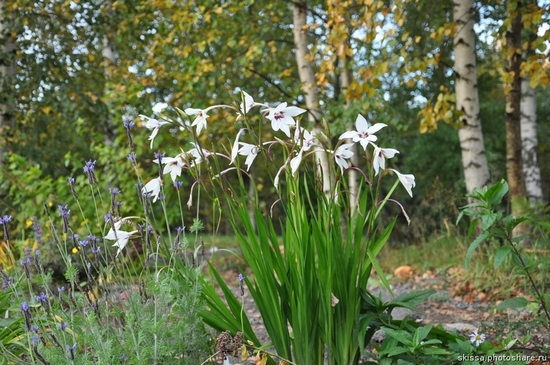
<point>407,180</point>
<point>281,117</point>
<point>380,155</point>
<point>296,161</point>
<point>250,151</point>
<point>153,125</point>
<point>247,104</point>
<point>364,132</point>
<point>235,147</point>
<point>173,166</point>
<point>200,120</point>
<point>196,155</point>
<point>119,236</point>
<point>306,140</point>
<point>341,154</point>
<point>153,187</point>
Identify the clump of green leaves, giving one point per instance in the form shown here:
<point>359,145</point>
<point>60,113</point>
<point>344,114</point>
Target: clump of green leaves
<point>495,226</point>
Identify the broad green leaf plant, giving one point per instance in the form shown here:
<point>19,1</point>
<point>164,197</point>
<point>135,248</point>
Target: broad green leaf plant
<point>307,280</point>
<point>484,209</point>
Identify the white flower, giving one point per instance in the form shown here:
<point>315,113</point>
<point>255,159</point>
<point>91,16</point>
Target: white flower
<point>247,104</point>
<point>200,120</point>
<point>477,338</point>
<point>295,162</point>
<point>153,187</point>
<point>235,148</point>
<point>407,180</point>
<point>380,155</point>
<point>281,117</point>
<point>159,107</point>
<point>154,125</point>
<point>173,166</point>
<point>250,151</point>
<point>364,133</point>
<point>196,155</point>
<point>304,138</point>
<point>342,154</point>
<point>121,237</point>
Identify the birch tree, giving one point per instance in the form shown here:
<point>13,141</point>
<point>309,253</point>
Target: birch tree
<point>529,143</point>
<point>339,39</point>
<point>528,106</point>
<point>474,161</point>
<point>512,90</point>
<point>309,88</point>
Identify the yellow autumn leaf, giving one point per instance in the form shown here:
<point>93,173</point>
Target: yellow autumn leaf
<point>244,353</point>
<point>533,82</point>
<point>264,359</point>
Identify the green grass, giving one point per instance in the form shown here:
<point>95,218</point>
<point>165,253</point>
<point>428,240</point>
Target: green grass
<point>439,252</point>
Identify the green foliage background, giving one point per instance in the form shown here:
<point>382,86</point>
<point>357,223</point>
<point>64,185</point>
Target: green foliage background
<point>70,100</point>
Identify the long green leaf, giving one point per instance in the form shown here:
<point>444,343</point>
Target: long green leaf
<point>482,237</point>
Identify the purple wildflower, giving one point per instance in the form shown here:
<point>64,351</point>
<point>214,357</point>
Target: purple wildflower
<point>71,181</point>
<point>42,298</point>
<point>71,350</point>
<point>89,169</point>
<point>132,158</point>
<point>25,263</point>
<point>128,124</point>
<point>4,222</point>
<point>37,228</point>
<point>64,213</point>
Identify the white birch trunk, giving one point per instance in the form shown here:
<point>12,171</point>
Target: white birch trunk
<point>474,161</point>
<point>307,78</point>
<point>7,74</point>
<point>529,143</point>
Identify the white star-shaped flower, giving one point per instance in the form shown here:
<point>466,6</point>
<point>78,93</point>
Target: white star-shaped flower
<point>364,133</point>
<point>154,125</point>
<point>153,187</point>
<point>250,151</point>
<point>173,166</point>
<point>281,117</point>
<point>200,120</point>
<point>380,155</point>
<point>247,104</point>
<point>342,154</point>
<point>407,180</point>
<point>119,236</point>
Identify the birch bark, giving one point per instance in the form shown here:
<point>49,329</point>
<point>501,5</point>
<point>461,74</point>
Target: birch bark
<point>514,171</point>
<point>474,161</point>
<point>529,143</point>
<point>307,79</point>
